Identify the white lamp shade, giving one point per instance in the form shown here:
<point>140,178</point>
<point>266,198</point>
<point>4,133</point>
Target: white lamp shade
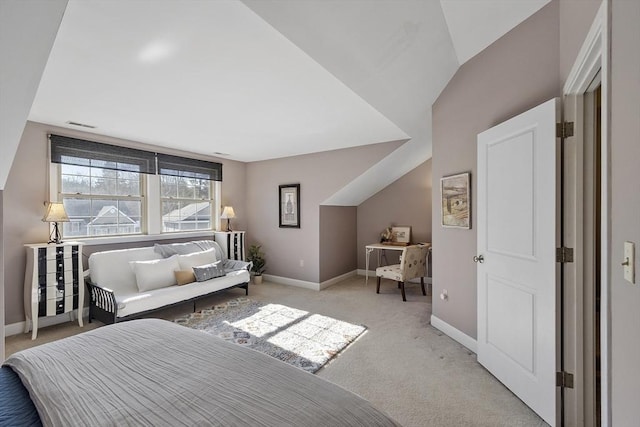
<point>227,213</point>
<point>55,213</point>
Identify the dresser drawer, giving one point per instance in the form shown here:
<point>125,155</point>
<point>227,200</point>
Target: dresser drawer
<point>62,305</point>
<point>57,292</point>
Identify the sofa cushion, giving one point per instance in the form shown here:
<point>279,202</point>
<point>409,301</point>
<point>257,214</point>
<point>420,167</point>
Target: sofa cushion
<point>110,269</point>
<point>209,271</point>
<point>187,262</point>
<point>184,277</point>
<point>166,250</point>
<point>136,302</point>
<point>155,274</point>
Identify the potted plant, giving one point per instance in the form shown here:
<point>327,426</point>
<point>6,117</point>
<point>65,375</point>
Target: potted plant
<point>258,266</point>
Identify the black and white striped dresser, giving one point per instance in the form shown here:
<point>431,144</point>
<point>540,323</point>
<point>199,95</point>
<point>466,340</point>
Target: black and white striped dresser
<point>231,243</point>
<point>54,282</point>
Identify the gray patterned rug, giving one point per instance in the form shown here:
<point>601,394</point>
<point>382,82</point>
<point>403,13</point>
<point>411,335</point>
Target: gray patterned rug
<point>302,339</point>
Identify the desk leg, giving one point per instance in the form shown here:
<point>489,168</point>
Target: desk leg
<point>366,265</point>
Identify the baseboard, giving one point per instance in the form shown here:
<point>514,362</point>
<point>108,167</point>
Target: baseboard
<point>337,279</point>
<point>454,333</point>
<point>363,272</point>
<point>308,285</point>
<point>292,282</point>
<point>372,273</point>
<point>43,322</point>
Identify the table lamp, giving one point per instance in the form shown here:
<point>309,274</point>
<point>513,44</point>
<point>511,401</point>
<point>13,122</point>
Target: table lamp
<point>228,213</point>
<point>55,214</point>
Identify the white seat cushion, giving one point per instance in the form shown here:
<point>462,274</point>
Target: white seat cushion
<point>133,303</point>
<point>392,272</point>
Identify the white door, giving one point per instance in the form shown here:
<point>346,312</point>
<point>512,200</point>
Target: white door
<point>517,235</point>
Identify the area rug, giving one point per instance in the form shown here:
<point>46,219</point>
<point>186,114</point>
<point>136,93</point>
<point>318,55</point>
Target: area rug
<point>302,339</point>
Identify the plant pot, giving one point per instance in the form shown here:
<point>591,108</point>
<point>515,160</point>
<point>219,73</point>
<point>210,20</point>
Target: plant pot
<point>257,280</point>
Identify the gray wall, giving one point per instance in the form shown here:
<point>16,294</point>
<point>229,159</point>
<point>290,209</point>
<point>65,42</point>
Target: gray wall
<point>407,201</point>
<point>26,191</point>
<point>338,236</point>
<point>320,175</point>
<point>625,209</point>
<point>495,85</point>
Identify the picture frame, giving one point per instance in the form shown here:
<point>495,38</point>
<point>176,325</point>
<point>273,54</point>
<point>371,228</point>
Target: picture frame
<point>289,205</point>
<point>401,234</point>
<point>455,205</point>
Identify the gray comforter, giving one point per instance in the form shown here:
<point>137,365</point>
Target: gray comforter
<point>155,373</point>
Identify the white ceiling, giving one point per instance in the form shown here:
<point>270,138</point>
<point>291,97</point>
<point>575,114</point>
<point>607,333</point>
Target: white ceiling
<point>475,24</point>
<point>264,78</point>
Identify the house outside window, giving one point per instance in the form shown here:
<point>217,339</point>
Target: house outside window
<point>186,203</point>
<point>101,201</point>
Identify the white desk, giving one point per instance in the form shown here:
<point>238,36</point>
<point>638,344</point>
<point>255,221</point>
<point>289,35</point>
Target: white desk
<point>381,248</point>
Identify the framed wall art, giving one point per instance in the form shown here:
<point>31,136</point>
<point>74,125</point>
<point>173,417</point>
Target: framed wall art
<point>401,235</point>
<point>289,197</point>
<point>456,200</point>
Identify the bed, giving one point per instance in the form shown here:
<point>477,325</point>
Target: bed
<point>151,372</point>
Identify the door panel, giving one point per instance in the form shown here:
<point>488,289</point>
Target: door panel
<point>517,235</point>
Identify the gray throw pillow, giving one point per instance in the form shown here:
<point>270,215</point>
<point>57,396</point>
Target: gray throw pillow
<point>209,271</point>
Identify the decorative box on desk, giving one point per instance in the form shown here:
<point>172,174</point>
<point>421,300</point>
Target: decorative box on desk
<point>53,282</point>
<point>232,243</point>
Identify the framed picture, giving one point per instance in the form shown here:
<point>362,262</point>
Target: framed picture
<point>456,201</point>
<point>401,234</point>
<point>289,196</point>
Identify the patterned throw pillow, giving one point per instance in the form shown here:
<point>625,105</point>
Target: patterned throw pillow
<point>209,271</point>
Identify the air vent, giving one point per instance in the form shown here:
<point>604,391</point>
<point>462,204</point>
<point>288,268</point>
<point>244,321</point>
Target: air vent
<point>82,125</point>
<point>217,153</point>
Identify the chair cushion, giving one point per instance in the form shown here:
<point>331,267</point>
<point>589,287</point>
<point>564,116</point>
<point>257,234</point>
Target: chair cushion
<point>392,272</point>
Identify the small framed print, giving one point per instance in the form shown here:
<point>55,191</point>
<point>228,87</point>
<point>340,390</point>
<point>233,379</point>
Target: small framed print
<point>456,201</point>
<point>401,234</point>
<point>289,198</point>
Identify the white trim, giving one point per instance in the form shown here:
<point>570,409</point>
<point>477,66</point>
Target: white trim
<point>292,282</point>
<point>337,279</point>
<point>589,59</point>
<point>454,333</point>
<point>43,322</point>
<point>593,56</point>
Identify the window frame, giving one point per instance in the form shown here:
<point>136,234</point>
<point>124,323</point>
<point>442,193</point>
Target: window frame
<point>214,223</point>
<point>151,209</point>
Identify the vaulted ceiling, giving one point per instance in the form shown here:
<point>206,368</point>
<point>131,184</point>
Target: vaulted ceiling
<point>261,79</point>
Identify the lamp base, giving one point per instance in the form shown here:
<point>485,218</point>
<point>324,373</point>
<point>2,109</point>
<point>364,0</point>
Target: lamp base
<point>55,236</point>
<point>229,225</point>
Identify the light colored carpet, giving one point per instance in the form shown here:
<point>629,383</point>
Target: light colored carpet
<point>402,364</point>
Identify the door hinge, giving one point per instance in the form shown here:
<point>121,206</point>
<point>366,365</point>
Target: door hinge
<point>564,130</point>
<point>564,379</point>
<point>564,254</point>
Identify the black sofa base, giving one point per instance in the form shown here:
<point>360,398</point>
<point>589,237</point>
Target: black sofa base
<point>103,305</point>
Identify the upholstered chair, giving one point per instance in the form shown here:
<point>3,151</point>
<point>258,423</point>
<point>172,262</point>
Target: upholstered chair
<point>413,264</point>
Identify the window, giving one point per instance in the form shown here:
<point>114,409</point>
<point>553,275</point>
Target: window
<point>187,196</point>
<point>101,201</point>
<point>186,203</point>
<point>105,189</point>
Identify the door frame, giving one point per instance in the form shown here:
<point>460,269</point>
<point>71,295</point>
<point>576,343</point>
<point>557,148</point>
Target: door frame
<point>593,58</point>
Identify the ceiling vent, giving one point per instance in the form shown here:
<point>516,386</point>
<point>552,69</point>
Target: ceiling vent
<point>82,125</point>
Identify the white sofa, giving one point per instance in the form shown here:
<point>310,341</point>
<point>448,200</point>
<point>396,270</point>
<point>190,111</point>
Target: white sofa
<point>114,292</point>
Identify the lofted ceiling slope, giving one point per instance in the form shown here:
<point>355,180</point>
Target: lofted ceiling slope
<point>262,79</point>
